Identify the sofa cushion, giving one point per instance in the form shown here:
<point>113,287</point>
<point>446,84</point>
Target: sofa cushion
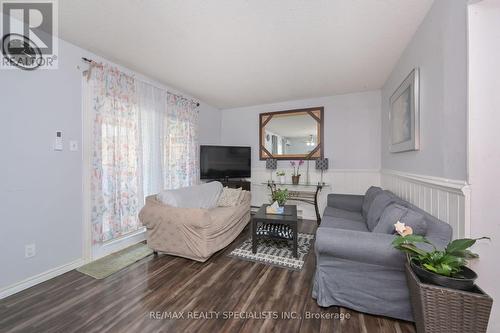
<point>342,223</point>
<point>198,196</point>
<point>394,213</point>
<point>370,194</point>
<point>346,214</point>
<point>381,201</point>
<point>229,197</point>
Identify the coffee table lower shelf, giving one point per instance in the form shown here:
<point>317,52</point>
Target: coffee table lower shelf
<point>289,219</point>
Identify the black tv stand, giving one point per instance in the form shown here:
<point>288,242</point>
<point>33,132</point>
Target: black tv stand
<point>235,183</point>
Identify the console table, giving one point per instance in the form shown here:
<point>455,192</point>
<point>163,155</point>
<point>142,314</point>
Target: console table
<point>307,193</point>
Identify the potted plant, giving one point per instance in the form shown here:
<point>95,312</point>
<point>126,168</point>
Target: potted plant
<point>439,279</point>
<point>281,175</point>
<point>296,171</point>
<point>280,196</point>
<point>446,267</point>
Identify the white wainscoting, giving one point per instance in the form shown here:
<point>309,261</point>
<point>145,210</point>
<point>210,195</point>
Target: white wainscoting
<point>349,181</point>
<point>447,199</point>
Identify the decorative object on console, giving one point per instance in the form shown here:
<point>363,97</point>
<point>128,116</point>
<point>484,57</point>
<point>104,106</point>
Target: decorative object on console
<point>271,164</point>
<point>281,175</point>
<point>404,115</point>
<point>296,171</point>
<point>322,164</point>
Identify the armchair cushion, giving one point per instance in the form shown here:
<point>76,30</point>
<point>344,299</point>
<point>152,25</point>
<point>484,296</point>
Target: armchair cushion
<point>229,197</point>
<point>198,196</point>
<point>370,194</point>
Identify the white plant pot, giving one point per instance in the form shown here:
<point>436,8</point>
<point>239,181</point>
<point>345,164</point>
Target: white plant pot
<point>282,179</point>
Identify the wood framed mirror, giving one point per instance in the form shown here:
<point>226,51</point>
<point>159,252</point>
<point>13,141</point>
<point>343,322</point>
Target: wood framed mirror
<point>292,134</point>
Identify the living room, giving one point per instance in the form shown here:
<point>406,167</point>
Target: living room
<point>195,166</point>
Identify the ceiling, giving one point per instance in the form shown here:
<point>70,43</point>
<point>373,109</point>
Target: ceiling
<point>232,53</point>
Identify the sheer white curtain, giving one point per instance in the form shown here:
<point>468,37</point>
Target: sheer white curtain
<point>181,149</point>
<point>153,109</point>
<point>169,126</point>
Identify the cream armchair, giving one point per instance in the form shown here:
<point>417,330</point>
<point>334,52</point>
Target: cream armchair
<point>194,233</point>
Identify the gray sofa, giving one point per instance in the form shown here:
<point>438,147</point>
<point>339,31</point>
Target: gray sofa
<point>357,267</point>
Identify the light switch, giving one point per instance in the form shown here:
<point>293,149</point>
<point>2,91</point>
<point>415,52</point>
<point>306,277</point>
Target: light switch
<point>73,145</point>
<point>58,141</point>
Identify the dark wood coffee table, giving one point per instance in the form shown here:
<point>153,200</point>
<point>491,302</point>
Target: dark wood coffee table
<point>261,220</point>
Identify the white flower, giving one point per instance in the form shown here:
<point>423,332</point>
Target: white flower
<point>402,229</point>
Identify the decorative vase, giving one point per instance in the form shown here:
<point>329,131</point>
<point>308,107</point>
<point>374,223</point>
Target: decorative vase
<point>282,179</point>
<point>295,180</point>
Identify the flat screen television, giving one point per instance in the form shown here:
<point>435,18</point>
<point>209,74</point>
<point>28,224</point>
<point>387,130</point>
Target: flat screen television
<point>220,162</point>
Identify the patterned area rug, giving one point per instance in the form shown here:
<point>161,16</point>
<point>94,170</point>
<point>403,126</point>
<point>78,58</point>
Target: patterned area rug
<point>275,252</point>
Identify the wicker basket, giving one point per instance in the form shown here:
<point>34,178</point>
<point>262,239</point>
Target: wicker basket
<point>443,310</point>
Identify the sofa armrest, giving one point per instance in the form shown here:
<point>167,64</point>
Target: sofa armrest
<point>358,246</point>
<point>155,213</point>
<point>349,202</point>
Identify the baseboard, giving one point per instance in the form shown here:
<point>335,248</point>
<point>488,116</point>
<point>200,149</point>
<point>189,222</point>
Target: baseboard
<point>118,244</point>
<point>39,278</point>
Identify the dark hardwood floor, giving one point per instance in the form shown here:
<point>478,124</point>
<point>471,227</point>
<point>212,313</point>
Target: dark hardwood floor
<point>141,297</point>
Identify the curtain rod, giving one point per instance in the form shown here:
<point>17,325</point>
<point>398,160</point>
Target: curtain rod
<point>89,61</point>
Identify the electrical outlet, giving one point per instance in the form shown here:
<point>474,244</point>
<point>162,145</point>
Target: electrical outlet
<point>29,250</point>
<point>73,145</point>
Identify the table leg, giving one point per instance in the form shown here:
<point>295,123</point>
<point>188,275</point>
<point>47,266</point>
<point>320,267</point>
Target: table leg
<point>254,236</point>
<point>295,241</point>
<point>316,208</point>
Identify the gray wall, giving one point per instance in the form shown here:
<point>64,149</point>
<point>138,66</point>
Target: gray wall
<point>210,124</point>
<point>439,49</point>
<point>352,128</point>
<point>40,189</point>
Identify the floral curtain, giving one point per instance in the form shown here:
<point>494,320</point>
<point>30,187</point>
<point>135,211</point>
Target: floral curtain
<point>181,143</point>
<point>116,179</point>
